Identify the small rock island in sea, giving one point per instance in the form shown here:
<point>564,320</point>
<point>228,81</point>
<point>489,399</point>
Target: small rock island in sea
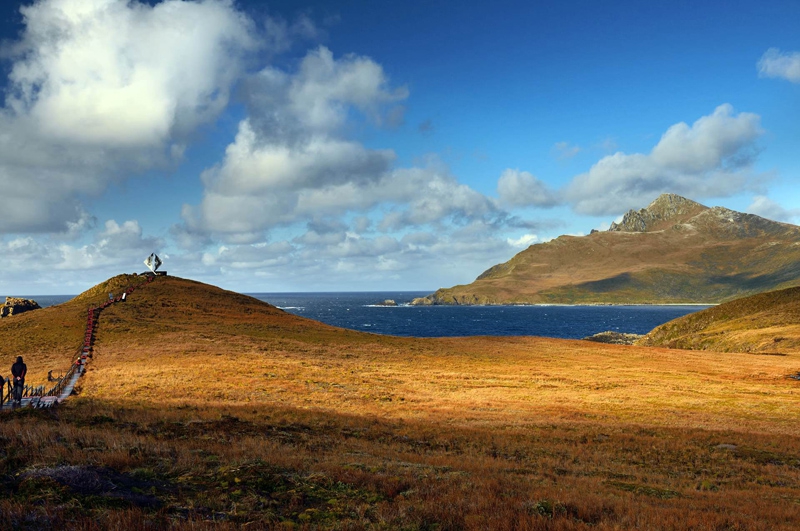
<point>387,302</point>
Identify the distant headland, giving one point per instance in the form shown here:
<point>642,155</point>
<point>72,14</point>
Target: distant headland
<point>673,251</point>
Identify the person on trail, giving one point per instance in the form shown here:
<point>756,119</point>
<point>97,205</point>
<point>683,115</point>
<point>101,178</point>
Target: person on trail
<point>18,372</point>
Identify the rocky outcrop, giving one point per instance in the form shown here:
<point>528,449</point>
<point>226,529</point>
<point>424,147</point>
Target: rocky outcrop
<point>388,302</point>
<point>669,208</point>
<point>615,338</point>
<point>15,305</point>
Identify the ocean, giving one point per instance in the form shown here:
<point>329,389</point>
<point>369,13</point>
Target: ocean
<point>362,311</point>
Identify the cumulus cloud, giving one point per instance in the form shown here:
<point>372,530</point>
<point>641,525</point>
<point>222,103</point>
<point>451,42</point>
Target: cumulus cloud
<point>281,34</point>
<point>289,150</point>
<point>329,254</point>
<point>291,159</point>
<point>767,208</point>
<point>775,63</point>
<point>318,98</point>
<point>712,157</point>
<point>108,87</point>
<point>519,188</point>
<point>113,247</point>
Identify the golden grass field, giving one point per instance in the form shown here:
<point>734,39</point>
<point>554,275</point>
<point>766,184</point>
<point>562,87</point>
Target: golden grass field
<point>767,323</point>
<point>206,409</point>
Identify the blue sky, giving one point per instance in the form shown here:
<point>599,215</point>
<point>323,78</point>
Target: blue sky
<point>337,146</point>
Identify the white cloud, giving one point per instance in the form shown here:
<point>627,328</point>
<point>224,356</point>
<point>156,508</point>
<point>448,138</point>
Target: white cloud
<point>775,63</point>
<point>114,247</point>
<point>524,241</point>
<point>101,89</point>
<point>317,99</point>
<point>712,157</point>
<point>280,34</point>
<point>327,256</point>
<point>291,160</point>
<point>565,150</point>
<point>520,188</point>
<point>767,208</point>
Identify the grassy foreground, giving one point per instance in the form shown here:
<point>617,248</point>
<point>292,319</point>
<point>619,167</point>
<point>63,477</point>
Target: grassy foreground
<point>205,409</point>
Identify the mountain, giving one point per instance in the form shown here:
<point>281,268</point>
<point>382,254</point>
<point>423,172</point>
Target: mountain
<point>766,323</point>
<point>673,251</point>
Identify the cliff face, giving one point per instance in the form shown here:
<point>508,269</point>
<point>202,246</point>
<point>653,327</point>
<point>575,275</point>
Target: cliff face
<point>16,306</point>
<point>673,251</point>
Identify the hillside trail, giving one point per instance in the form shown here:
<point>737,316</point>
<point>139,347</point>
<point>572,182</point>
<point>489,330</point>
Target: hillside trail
<point>38,397</point>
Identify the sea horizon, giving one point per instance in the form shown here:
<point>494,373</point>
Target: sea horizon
<point>364,311</point>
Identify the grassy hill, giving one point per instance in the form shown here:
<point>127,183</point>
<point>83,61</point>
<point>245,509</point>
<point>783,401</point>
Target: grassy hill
<point>763,323</point>
<point>203,408</point>
<point>673,251</point>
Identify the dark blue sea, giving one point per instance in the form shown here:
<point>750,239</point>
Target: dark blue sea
<point>363,312</point>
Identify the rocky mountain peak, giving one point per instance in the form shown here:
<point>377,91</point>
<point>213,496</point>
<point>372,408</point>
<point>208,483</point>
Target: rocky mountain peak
<point>667,209</point>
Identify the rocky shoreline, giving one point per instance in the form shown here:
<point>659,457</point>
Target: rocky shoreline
<point>614,338</point>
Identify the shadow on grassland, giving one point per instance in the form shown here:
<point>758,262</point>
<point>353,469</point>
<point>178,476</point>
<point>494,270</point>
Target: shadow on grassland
<point>93,463</point>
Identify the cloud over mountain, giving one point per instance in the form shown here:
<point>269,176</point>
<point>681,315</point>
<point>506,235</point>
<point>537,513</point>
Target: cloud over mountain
<point>711,158</point>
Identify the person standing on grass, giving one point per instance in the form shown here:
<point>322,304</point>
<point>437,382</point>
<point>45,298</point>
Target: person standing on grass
<point>18,372</point>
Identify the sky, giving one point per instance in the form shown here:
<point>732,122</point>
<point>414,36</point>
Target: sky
<point>374,146</point>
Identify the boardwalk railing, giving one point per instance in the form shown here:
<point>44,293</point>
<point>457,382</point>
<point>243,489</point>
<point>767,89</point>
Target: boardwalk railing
<point>58,388</point>
<point>93,313</point>
<point>7,391</point>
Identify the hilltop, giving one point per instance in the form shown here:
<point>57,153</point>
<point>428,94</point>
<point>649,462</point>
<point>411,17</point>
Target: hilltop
<point>767,323</point>
<point>203,408</point>
<point>673,251</point>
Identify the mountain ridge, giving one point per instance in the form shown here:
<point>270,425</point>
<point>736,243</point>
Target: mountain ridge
<point>673,251</point>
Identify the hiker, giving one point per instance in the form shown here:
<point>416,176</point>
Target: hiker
<point>18,372</point>
<point>124,294</point>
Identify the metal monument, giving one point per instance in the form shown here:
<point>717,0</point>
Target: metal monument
<point>153,262</point>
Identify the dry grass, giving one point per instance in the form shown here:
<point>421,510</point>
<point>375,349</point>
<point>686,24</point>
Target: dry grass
<point>206,408</point>
<point>766,323</point>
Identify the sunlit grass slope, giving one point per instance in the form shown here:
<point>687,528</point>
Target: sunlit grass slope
<point>51,338</point>
<point>764,323</point>
<point>209,409</point>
